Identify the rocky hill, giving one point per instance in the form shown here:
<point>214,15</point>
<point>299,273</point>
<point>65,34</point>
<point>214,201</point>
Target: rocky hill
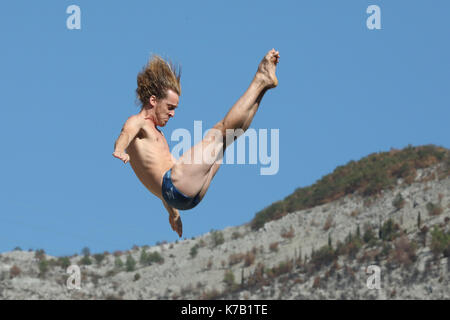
<point>319,252</point>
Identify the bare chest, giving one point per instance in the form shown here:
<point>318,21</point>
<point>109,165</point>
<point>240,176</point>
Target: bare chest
<point>150,139</point>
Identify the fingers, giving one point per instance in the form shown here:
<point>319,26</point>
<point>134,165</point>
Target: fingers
<point>180,228</point>
<point>176,225</point>
<point>122,156</point>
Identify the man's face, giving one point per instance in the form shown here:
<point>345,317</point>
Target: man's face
<point>165,108</point>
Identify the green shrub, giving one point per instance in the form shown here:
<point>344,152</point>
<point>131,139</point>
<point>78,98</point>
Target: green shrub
<point>130,263</point>
<point>386,249</point>
<point>389,230</point>
<point>434,209</point>
<point>440,242</point>
<point>147,259</point>
<point>43,267</point>
<point>353,247</point>
<point>52,262</point>
<point>350,247</point>
<point>143,259</point>
<point>64,262</point>
<point>282,268</point>
<point>85,251</point>
<point>85,261</point>
<point>369,236</point>
<point>217,238</point>
<point>39,254</point>
<point>155,257</point>
<point>419,221</point>
<point>398,202</point>
<point>99,258</point>
<point>111,273</point>
<point>118,263</point>
<point>323,257</point>
<point>236,235</point>
<point>194,251</point>
<point>229,279</point>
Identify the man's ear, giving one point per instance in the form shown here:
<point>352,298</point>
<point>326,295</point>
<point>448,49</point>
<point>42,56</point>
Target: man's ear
<point>152,101</point>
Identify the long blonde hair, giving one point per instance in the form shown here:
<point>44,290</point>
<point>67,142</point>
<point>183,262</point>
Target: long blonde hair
<point>156,78</point>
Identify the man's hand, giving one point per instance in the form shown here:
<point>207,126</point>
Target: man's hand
<point>122,156</point>
<point>174,218</point>
<point>175,222</point>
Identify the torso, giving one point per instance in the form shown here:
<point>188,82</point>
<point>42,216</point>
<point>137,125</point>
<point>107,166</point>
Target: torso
<point>150,157</point>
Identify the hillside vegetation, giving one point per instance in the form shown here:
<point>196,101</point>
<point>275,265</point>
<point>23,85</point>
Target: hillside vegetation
<point>322,252</point>
<point>366,177</point>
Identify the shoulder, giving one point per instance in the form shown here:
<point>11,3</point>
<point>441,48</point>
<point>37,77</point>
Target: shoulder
<point>135,121</point>
<point>136,118</point>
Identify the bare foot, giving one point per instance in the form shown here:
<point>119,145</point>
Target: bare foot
<point>175,223</point>
<point>266,69</point>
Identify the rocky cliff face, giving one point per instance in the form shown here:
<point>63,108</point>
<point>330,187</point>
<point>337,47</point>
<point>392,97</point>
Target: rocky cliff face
<point>320,253</point>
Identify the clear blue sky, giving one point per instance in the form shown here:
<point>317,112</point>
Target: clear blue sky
<point>345,92</point>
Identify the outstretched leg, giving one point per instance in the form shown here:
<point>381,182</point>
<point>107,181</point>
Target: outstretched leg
<point>191,176</point>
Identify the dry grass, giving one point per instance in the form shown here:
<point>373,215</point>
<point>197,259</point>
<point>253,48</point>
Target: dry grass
<point>404,252</point>
<point>273,247</point>
<point>316,283</point>
<point>14,271</point>
<point>354,213</point>
<point>328,223</point>
<point>249,259</point>
<point>288,234</point>
<point>235,258</point>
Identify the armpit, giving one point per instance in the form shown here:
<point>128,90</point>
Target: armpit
<point>140,134</point>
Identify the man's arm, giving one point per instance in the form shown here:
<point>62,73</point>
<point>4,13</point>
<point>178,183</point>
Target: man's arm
<point>174,219</point>
<point>129,131</point>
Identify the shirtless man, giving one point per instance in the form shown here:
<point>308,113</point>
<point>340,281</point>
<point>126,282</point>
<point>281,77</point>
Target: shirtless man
<point>181,184</point>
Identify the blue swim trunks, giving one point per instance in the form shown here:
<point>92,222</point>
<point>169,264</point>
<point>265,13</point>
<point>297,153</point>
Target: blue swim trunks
<point>176,198</point>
